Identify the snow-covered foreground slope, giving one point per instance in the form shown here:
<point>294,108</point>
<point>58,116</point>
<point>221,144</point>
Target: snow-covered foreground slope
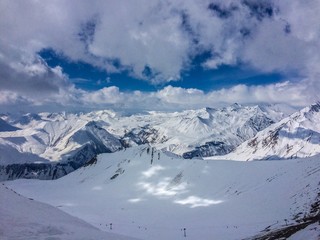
<point>22,218</point>
<point>297,136</point>
<point>147,194</point>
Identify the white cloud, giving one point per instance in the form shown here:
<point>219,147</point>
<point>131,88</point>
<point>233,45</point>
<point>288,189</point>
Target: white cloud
<point>142,35</point>
<point>156,41</point>
<point>11,98</point>
<point>271,49</point>
<point>176,98</point>
<point>167,99</point>
<point>107,95</point>
<point>178,95</point>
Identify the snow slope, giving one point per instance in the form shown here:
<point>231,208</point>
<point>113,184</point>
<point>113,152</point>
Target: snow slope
<point>297,136</point>
<point>146,194</point>
<point>22,218</point>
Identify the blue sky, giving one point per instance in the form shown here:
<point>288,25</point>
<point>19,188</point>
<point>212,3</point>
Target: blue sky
<point>157,55</point>
<point>89,77</point>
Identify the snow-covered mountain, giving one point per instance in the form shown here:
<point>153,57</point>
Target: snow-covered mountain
<point>193,133</point>
<point>147,194</point>
<point>215,131</point>
<point>48,146</point>
<point>297,136</point>
<point>70,140</point>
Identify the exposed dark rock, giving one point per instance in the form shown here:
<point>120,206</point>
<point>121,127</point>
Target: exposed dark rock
<point>141,136</point>
<point>209,149</point>
<point>48,171</point>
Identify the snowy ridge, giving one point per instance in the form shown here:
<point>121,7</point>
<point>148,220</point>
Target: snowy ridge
<point>297,136</point>
<point>146,194</point>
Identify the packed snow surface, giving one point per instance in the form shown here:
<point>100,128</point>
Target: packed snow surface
<point>147,194</point>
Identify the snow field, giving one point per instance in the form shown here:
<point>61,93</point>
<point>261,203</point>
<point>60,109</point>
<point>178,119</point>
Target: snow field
<point>150,198</point>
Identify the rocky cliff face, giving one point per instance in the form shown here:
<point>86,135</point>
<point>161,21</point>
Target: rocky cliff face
<point>50,171</point>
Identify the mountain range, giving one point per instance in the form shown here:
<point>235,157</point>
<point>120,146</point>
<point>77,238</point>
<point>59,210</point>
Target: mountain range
<point>50,145</point>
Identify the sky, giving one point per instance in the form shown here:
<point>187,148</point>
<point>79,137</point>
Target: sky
<point>166,55</point>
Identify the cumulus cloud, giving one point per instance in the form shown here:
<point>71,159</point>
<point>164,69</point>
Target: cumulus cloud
<point>146,37</point>
<point>29,77</point>
<point>107,95</point>
<point>166,99</point>
<point>156,41</point>
<point>176,98</point>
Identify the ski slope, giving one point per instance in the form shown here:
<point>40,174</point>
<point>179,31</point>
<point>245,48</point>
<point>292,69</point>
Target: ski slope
<point>148,195</point>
